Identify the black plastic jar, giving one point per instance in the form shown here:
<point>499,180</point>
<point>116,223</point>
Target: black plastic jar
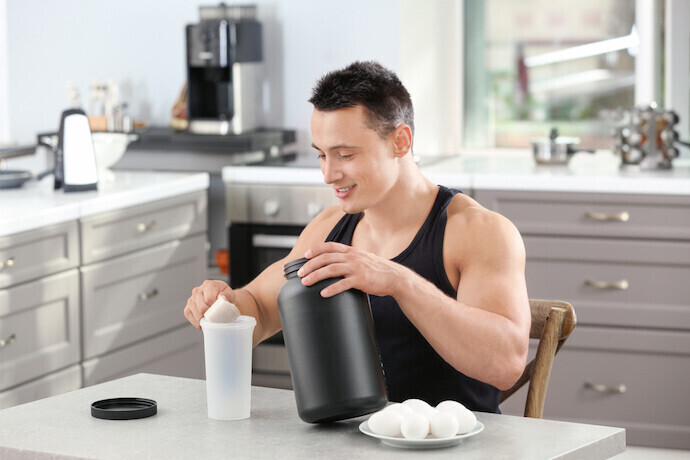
<point>334,357</point>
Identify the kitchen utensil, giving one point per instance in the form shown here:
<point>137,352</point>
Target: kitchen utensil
<point>555,149</point>
<point>108,148</point>
<point>427,443</point>
<point>75,159</point>
<point>13,179</point>
<point>334,358</point>
<point>228,358</point>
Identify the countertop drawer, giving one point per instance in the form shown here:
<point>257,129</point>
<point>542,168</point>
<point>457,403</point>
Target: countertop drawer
<point>138,295</point>
<point>630,216</point>
<point>52,384</point>
<point>179,353</point>
<point>653,367</point>
<point>613,282</point>
<point>118,232</point>
<point>36,253</point>
<point>39,324</point>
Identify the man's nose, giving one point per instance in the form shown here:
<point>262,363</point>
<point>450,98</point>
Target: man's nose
<point>331,171</point>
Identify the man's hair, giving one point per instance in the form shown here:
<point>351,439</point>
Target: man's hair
<point>385,100</point>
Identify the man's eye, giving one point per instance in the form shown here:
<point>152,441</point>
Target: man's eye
<point>345,157</point>
<point>320,156</point>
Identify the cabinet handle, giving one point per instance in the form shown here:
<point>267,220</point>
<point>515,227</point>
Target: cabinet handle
<point>142,227</point>
<point>621,285</point>
<point>7,341</point>
<point>7,263</point>
<point>601,388</point>
<point>622,216</point>
<point>148,295</point>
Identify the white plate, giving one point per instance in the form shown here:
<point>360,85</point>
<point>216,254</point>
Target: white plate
<point>426,443</point>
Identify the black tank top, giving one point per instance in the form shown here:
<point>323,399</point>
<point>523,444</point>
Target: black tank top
<point>411,366</point>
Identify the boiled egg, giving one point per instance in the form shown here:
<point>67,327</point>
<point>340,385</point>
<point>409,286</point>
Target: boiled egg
<point>386,423</point>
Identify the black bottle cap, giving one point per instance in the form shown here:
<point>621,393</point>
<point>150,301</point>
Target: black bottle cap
<point>124,408</point>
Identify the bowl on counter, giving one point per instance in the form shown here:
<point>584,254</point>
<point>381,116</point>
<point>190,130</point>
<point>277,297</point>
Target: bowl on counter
<point>108,148</point>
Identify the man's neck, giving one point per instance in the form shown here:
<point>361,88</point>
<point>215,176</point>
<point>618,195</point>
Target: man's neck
<point>406,205</point>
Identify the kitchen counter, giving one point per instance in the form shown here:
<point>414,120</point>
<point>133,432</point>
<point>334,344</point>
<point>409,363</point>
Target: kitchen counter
<point>510,170</point>
<point>36,204</point>
<point>62,427</point>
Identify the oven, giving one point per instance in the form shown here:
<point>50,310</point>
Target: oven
<point>264,221</point>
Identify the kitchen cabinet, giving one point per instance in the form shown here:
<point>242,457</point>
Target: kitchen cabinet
<point>179,352</point>
<point>81,297</point>
<point>39,312</point>
<point>39,326</point>
<point>49,385</point>
<point>159,254</point>
<point>623,261</point>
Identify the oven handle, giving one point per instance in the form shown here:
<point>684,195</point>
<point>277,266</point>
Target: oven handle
<point>260,240</point>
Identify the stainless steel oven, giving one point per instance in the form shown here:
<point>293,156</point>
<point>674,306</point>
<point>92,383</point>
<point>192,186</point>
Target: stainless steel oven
<point>264,222</point>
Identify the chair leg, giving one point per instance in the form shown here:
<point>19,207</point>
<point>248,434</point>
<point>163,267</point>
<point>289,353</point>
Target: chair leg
<point>536,394</point>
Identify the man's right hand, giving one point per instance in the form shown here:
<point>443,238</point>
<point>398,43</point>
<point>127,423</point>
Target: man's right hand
<point>203,297</point>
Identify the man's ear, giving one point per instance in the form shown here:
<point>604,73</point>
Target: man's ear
<point>402,140</point>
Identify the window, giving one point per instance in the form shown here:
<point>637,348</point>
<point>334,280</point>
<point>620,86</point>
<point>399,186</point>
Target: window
<point>536,64</point>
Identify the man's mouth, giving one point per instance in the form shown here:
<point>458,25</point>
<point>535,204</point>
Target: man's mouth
<point>342,192</point>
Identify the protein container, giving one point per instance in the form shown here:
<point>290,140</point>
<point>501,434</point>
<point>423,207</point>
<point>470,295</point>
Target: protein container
<point>334,358</point>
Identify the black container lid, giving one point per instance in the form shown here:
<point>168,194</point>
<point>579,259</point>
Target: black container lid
<point>293,266</point>
<point>124,408</point>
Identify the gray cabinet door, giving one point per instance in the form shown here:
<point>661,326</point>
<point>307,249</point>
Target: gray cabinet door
<point>614,282</point>
<point>39,324</point>
<point>30,255</point>
<point>606,215</point>
<point>138,295</point>
<point>119,232</point>
<point>179,353</point>
<point>52,384</point>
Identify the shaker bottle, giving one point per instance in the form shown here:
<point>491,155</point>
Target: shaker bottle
<point>334,358</point>
<point>228,355</point>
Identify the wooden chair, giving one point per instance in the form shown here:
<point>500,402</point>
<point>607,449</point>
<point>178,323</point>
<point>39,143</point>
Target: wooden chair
<point>552,323</point>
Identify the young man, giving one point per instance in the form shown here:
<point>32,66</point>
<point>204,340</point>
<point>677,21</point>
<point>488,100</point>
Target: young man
<point>445,275</point>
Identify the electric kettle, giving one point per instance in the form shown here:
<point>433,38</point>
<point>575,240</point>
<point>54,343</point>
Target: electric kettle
<point>75,161</point>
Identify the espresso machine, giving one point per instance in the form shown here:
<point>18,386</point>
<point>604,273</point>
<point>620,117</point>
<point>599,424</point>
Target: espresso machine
<point>224,54</point>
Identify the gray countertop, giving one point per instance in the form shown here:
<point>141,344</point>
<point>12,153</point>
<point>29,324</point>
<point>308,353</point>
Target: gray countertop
<point>62,427</point>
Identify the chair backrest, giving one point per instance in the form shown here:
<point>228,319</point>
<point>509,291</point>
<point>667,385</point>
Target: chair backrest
<point>552,323</point>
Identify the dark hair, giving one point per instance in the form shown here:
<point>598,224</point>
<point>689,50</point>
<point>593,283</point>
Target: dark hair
<point>384,98</point>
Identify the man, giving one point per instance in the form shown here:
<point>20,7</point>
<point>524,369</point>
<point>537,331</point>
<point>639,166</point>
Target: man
<point>445,275</point>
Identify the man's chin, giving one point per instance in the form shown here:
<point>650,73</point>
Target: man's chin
<point>349,208</point>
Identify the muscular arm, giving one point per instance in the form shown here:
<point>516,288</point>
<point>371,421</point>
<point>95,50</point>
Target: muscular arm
<point>484,332</point>
<point>259,298</point>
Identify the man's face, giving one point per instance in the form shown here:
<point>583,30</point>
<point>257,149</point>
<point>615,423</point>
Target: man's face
<point>355,160</point>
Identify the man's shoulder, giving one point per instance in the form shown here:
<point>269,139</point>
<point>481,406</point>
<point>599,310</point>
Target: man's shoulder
<point>324,222</point>
<point>467,217</point>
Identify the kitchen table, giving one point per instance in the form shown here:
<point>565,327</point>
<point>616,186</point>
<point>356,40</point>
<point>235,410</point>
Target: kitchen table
<point>62,427</point>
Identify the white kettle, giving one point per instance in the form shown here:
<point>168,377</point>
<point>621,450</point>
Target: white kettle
<point>75,162</point>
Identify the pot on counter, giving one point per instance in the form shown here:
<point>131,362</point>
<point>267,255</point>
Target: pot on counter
<point>555,149</point>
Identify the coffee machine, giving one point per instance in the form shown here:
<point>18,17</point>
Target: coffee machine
<point>224,54</point>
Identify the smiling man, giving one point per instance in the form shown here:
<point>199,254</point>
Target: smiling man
<point>445,275</point>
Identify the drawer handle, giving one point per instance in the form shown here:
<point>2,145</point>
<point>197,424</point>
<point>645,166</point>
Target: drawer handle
<point>623,216</point>
<point>601,388</point>
<point>148,295</point>
<point>7,341</point>
<point>141,227</point>
<point>7,263</point>
<point>621,285</point>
